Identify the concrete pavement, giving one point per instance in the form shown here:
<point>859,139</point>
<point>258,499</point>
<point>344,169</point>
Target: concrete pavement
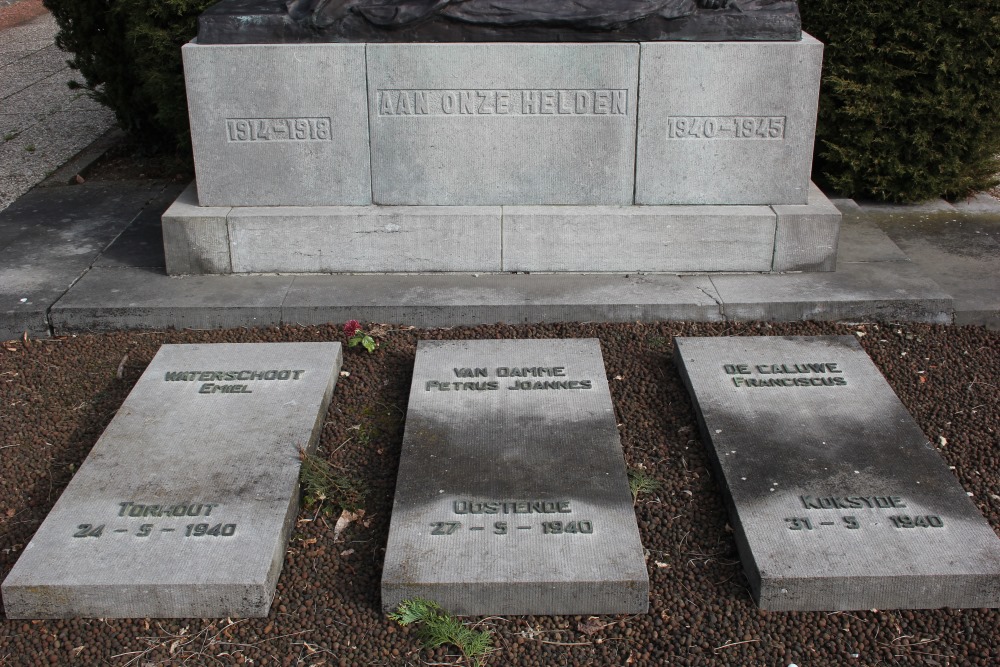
<point>42,122</point>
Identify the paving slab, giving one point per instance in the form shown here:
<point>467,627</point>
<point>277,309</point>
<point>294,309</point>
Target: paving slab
<point>980,203</point>
<point>32,67</point>
<point>184,505</point>
<point>107,299</point>
<point>512,496</point>
<point>862,291</point>
<point>11,124</point>
<point>33,35</point>
<point>49,238</point>
<point>141,244</point>
<point>452,300</point>
<point>863,241</point>
<point>837,500</point>
<point>959,251</point>
<point>930,206</point>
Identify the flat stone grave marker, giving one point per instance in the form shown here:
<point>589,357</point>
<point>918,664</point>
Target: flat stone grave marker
<point>512,496</point>
<point>184,506</point>
<point>837,499</point>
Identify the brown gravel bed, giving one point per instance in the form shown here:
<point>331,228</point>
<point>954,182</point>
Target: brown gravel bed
<point>56,396</point>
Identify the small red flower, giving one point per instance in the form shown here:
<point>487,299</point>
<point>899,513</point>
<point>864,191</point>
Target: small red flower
<point>352,327</point>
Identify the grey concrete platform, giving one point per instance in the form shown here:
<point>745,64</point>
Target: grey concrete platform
<point>82,273</point>
<point>522,239</point>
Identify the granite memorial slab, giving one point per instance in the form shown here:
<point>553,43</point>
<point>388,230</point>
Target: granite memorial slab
<point>837,499</point>
<point>279,126</point>
<point>484,124</point>
<point>184,505</point>
<point>727,123</point>
<point>512,496</point>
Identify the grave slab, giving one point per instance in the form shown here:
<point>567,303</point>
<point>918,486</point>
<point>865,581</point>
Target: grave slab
<point>837,499</point>
<point>512,496</point>
<point>184,506</point>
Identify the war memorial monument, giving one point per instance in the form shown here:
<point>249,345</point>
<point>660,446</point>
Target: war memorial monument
<point>495,136</point>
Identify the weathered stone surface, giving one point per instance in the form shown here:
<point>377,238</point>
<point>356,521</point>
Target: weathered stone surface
<point>513,500</point>
<point>333,239</point>
<point>50,237</point>
<point>131,298</point>
<point>638,238</point>
<point>806,235</point>
<point>274,125</point>
<point>442,300</point>
<point>406,239</point>
<point>267,21</point>
<point>883,291</point>
<point>195,238</point>
<point>183,507</point>
<point>727,123</point>
<point>487,124</point>
<point>836,497</point>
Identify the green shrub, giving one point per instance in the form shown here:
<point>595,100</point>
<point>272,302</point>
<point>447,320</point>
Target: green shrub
<point>129,53</point>
<point>910,97</point>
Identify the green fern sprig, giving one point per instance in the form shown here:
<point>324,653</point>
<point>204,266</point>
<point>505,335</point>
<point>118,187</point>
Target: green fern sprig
<point>437,628</point>
<point>640,483</point>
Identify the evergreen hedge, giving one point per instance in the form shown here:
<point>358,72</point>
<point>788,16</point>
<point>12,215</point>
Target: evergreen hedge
<point>910,100</point>
<point>908,109</point>
<point>129,53</point>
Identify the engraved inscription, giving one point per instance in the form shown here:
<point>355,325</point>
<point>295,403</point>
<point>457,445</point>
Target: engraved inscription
<point>825,374</point>
<point>853,522</point>
<point>209,379</point>
<point>243,130</point>
<point>502,102</point>
<point>512,507</point>
<point>134,510</point>
<point>484,383</point>
<point>725,127</point>
<point>472,508</point>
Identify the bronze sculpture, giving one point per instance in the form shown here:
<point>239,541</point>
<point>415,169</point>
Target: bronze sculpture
<point>287,21</point>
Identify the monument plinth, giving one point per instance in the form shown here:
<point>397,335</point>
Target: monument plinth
<point>184,505</point>
<point>837,499</point>
<point>328,135</point>
<point>512,496</point>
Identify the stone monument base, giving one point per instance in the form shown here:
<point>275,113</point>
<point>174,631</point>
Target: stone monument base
<point>543,239</point>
